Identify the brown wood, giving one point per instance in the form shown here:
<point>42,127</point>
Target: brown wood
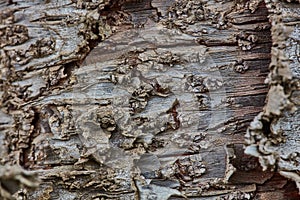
<point>146,99</point>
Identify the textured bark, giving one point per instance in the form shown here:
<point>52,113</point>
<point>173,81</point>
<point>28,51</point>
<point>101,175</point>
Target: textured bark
<point>274,134</point>
<point>149,99</point>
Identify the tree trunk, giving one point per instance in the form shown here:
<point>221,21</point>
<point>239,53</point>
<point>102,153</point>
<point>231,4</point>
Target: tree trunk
<point>149,99</point>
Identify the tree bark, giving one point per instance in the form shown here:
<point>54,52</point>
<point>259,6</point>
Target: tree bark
<point>148,99</point>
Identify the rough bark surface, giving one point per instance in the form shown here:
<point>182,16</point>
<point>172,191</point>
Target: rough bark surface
<point>158,109</point>
<point>274,134</point>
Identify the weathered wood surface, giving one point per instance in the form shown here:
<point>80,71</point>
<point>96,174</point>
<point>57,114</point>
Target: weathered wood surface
<point>274,134</point>
<point>158,108</point>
